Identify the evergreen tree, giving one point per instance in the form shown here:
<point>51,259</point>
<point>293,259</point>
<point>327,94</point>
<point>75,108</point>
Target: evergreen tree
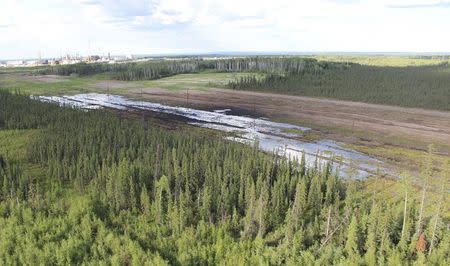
<point>352,242</point>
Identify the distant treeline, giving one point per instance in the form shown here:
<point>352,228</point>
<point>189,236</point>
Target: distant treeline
<point>163,68</point>
<point>127,71</point>
<point>421,86</point>
<point>413,86</point>
<point>94,188</point>
<point>431,57</point>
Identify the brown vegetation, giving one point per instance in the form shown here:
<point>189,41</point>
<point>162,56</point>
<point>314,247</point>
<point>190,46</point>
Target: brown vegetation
<point>424,125</point>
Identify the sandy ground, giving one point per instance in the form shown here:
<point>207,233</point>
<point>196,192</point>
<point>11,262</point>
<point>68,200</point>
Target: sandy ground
<point>424,125</point>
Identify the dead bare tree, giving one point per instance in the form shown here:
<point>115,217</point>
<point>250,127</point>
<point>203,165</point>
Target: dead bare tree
<point>406,184</point>
<point>327,231</point>
<point>427,175</point>
<point>442,193</point>
<point>327,238</point>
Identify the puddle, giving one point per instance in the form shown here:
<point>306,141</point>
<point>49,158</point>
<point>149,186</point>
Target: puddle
<point>281,138</point>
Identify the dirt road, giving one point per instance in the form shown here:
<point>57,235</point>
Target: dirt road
<point>389,121</point>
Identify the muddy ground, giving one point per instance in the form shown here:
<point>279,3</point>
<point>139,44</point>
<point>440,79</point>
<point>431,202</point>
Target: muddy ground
<point>423,125</point>
<point>42,78</point>
<point>397,134</point>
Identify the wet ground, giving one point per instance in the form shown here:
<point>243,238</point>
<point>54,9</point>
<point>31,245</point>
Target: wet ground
<point>282,138</point>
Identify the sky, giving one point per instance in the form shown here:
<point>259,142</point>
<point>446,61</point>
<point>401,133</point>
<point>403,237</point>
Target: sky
<point>51,28</point>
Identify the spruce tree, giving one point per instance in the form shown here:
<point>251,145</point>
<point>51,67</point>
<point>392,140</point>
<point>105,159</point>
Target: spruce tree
<point>352,242</point>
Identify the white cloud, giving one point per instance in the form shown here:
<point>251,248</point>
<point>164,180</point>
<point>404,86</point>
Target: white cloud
<point>157,26</point>
<point>418,4</point>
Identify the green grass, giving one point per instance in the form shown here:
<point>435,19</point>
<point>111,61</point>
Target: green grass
<point>406,153</point>
<point>14,143</point>
<point>197,81</point>
<point>394,61</point>
<point>29,85</point>
<point>7,70</point>
<point>309,135</point>
<point>403,157</point>
<point>71,85</point>
<point>390,139</point>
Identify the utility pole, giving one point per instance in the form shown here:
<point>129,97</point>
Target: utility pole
<point>187,96</point>
<point>89,50</point>
<point>142,105</point>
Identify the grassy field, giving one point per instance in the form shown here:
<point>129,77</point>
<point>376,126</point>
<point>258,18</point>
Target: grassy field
<point>382,60</point>
<point>199,81</point>
<point>52,86</point>
<point>22,79</point>
<point>404,153</point>
<point>58,85</point>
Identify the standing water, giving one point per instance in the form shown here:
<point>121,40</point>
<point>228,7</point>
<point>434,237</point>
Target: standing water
<point>281,138</point>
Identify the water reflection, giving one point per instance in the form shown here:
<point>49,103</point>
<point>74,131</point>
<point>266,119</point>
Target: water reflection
<point>283,138</point>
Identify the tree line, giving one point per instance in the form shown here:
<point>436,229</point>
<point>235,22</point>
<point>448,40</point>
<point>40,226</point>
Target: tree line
<point>105,188</point>
<point>413,86</point>
<point>156,69</point>
<point>422,86</point>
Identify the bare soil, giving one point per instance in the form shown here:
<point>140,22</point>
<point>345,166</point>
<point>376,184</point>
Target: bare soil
<point>389,121</point>
<point>44,78</point>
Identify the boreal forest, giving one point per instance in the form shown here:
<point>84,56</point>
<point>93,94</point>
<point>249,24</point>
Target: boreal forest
<point>106,187</point>
<point>230,133</point>
<point>423,86</point>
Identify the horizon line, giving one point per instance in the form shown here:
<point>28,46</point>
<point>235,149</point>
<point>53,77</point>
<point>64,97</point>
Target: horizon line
<point>261,53</point>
